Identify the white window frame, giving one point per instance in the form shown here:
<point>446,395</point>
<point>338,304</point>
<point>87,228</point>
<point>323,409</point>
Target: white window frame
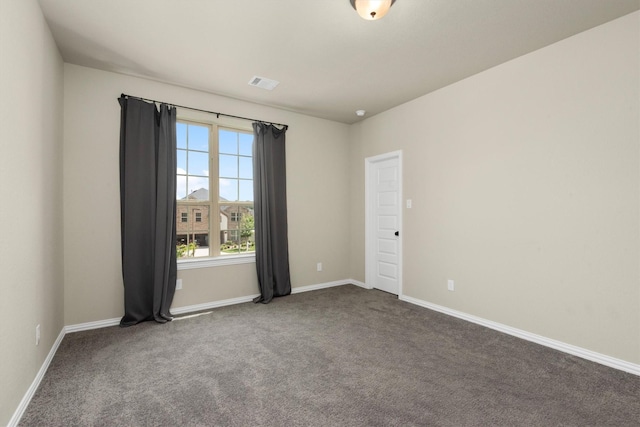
<point>214,212</point>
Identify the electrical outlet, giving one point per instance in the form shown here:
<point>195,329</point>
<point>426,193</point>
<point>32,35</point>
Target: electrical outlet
<point>37,334</point>
<point>409,203</point>
<point>178,284</point>
<point>450,284</point>
<point>319,266</point>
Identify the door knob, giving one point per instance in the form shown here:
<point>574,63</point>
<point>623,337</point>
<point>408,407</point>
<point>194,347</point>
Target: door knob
<point>397,233</point>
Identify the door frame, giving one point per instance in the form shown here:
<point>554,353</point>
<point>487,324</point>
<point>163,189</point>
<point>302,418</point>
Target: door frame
<point>369,234</point>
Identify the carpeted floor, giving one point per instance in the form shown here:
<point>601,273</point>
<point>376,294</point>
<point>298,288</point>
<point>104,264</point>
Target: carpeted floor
<point>342,356</point>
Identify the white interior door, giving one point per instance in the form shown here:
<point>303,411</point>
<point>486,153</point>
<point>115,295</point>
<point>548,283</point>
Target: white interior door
<point>384,218</point>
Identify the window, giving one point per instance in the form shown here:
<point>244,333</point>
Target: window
<point>214,190</point>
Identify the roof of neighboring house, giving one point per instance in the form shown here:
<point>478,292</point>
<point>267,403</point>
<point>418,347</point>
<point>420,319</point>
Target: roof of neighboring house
<point>199,194</point>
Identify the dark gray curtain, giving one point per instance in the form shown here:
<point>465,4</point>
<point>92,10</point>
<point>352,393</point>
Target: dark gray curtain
<point>147,209</point>
<point>270,212</point>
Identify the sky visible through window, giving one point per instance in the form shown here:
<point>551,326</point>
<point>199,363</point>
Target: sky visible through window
<point>235,162</point>
<point>236,167</point>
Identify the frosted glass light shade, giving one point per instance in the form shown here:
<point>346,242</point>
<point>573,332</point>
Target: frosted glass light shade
<point>372,10</point>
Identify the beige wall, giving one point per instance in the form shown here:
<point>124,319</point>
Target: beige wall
<point>317,176</point>
<point>525,182</point>
<point>525,188</point>
<point>31,184</point>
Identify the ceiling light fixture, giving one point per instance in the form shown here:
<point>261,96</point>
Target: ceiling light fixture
<point>372,10</point>
<point>360,113</point>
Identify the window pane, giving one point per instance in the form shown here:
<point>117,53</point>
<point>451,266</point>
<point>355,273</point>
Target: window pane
<point>181,135</point>
<point>198,138</point>
<point>246,190</point>
<point>236,230</point>
<point>229,189</point>
<point>182,218</point>
<point>192,236</point>
<point>228,166</point>
<point>198,188</point>
<point>228,142</point>
<point>246,144</point>
<point>198,163</point>
<point>227,242</point>
<point>225,216</point>
<point>181,187</point>
<point>181,160</point>
<point>246,167</point>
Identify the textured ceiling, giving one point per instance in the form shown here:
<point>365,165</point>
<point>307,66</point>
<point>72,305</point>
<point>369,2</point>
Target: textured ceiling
<point>328,60</point>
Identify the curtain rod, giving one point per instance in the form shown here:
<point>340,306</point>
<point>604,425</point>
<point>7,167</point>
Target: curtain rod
<point>205,111</point>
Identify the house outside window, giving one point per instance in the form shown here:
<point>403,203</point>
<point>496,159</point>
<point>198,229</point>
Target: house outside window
<point>214,190</point>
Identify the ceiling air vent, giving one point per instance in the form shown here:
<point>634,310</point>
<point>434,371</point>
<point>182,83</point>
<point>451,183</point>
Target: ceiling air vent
<point>263,83</point>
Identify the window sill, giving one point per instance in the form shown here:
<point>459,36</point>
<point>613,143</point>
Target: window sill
<point>189,264</point>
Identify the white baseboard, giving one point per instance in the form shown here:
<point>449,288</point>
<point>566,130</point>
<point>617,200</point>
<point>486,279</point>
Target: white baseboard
<point>325,285</point>
<point>15,419</point>
<point>249,298</point>
<point>213,304</point>
<point>538,339</point>
<point>603,359</point>
<point>360,284</point>
<point>209,305</point>
<point>92,325</point>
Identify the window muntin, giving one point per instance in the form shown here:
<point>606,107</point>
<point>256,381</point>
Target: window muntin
<point>214,160</point>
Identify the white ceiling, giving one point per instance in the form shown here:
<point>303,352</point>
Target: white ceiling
<point>328,60</point>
